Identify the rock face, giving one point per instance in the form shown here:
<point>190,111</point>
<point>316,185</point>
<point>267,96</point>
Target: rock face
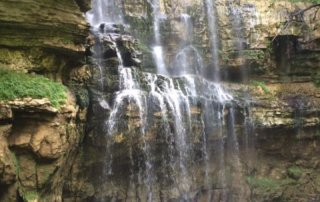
<point>278,112</point>
<point>42,36</point>
<point>254,36</point>
<point>37,148</point>
<point>48,154</point>
<point>38,141</point>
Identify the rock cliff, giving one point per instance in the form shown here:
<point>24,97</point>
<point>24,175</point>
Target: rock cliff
<point>39,140</point>
<point>51,154</point>
<point>46,37</point>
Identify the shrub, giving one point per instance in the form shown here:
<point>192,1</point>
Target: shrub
<point>295,172</point>
<point>15,85</point>
<point>262,85</point>
<point>263,183</point>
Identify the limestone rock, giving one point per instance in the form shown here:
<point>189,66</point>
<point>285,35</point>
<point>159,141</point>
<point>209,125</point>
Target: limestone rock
<point>7,168</point>
<point>41,36</point>
<point>5,112</point>
<point>32,105</point>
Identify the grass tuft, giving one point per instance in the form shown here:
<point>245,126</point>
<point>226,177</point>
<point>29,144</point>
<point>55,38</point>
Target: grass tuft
<point>14,85</point>
<point>264,183</point>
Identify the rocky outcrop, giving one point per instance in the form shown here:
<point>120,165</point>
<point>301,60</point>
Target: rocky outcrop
<point>276,112</point>
<point>42,36</point>
<point>257,37</point>
<point>46,155</point>
<point>37,148</point>
<point>39,141</point>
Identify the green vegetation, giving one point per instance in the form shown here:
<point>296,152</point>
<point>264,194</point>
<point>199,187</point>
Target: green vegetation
<point>30,196</point>
<point>256,55</point>
<point>144,48</point>
<point>16,162</point>
<point>262,85</point>
<point>251,56</point>
<point>295,172</point>
<point>269,184</point>
<point>15,85</point>
<point>263,183</point>
<point>316,79</point>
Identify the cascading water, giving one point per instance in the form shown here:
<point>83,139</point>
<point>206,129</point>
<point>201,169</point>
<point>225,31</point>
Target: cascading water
<point>236,17</point>
<point>160,119</point>
<point>212,26</point>
<point>107,12</point>
<point>157,52</point>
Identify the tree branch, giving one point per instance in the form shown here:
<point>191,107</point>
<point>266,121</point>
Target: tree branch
<point>296,16</point>
<point>301,12</point>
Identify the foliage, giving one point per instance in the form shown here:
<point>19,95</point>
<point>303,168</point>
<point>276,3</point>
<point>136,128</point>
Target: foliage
<point>295,172</point>
<point>15,162</point>
<point>316,79</point>
<point>257,55</point>
<point>30,195</point>
<point>15,85</point>
<point>262,85</point>
<point>144,48</point>
<point>263,183</point>
<point>269,184</point>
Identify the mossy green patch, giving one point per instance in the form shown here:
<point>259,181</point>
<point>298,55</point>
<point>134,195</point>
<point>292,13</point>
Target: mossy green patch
<point>295,172</point>
<point>15,85</point>
<point>15,162</point>
<point>262,85</point>
<point>30,195</point>
<point>263,183</point>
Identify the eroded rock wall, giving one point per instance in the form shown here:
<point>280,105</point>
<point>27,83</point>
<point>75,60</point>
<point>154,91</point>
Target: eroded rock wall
<point>39,141</point>
<point>46,37</point>
<point>256,37</point>
<point>39,145</point>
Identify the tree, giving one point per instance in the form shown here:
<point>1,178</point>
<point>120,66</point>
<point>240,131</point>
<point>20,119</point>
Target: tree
<point>298,15</point>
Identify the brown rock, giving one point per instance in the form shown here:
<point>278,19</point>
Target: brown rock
<point>7,168</point>
<point>5,112</point>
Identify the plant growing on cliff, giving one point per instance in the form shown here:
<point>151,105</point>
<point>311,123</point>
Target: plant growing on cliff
<point>262,85</point>
<point>298,15</point>
<point>15,85</point>
<point>263,183</point>
<point>30,196</point>
<point>295,172</point>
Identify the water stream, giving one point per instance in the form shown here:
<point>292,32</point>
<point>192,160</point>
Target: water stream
<point>167,114</point>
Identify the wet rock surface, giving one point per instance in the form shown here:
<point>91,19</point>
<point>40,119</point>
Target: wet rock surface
<point>275,111</point>
<point>37,145</point>
<point>48,154</point>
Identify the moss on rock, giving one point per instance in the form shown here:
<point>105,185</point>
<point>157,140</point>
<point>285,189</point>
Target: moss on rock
<point>14,85</point>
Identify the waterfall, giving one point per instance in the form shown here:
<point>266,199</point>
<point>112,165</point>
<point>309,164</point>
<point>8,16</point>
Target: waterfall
<point>236,18</point>
<point>107,12</point>
<point>172,124</point>
<point>157,52</point>
<point>213,35</point>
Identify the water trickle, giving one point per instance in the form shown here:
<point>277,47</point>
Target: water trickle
<point>157,49</point>
<point>236,17</point>
<point>189,61</point>
<point>213,35</point>
<point>107,12</point>
<point>159,59</point>
<point>187,21</point>
<point>167,114</point>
